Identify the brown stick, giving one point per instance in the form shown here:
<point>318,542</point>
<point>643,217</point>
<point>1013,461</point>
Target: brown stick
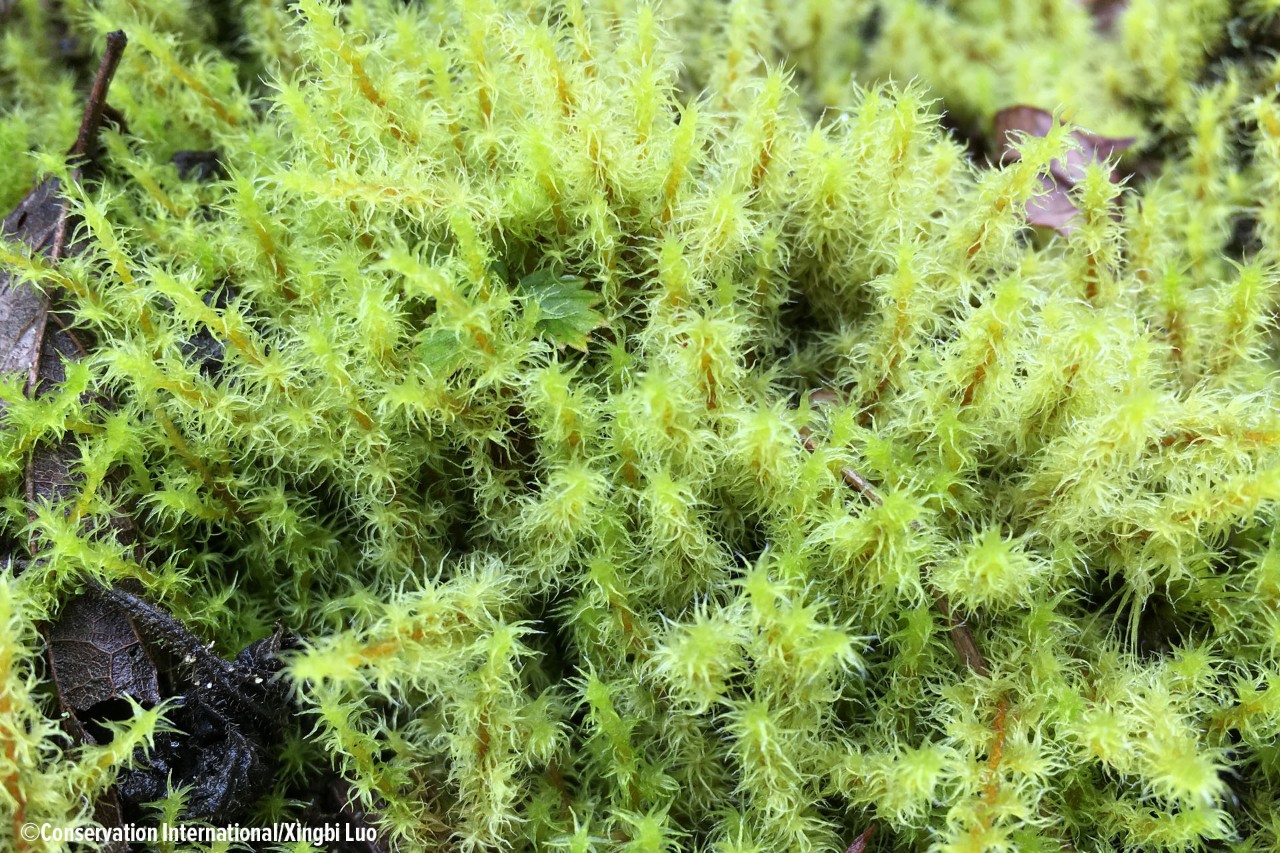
<point>961,637</point>
<point>87,139</point>
<point>86,144</point>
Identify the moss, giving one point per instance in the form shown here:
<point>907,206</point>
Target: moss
<point>627,402</point>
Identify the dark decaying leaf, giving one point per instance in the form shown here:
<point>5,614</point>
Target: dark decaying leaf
<point>203,349</point>
<point>199,166</point>
<point>227,723</point>
<point>1053,207</point>
<point>98,658</point>
<point>23,308</point>
<point>331,803</point>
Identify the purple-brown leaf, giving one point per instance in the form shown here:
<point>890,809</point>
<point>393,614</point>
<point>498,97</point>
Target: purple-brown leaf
<point>1053,207</point>
<point>1105,12</point>
<point>860,843</point>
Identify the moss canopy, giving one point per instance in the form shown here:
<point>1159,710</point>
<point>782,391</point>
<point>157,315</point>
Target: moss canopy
<point>612,395</point>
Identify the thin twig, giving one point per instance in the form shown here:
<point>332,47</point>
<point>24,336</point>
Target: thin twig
<point>87,139</point>
<point>961,637</point>
<point>86,144</point>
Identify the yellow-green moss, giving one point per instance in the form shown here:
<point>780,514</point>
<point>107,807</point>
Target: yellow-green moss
<point>608,599</point>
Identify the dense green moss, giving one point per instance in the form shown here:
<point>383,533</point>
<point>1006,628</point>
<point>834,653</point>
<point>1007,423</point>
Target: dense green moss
<point>526,311</point>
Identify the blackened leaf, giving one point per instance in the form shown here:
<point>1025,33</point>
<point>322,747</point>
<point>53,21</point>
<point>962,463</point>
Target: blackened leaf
<point>97,656</point>
<point>1053,207</point>
<point>106,811</point>
<point>203,349</point>
<point>332,801</point>
<point>566,311</point>
<point>227,724</point>
<point>244,687</point>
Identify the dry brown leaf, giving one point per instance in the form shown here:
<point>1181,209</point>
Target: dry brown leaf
<point>1053,207</point>
<point>1105,12</point>
<point>860,843</point>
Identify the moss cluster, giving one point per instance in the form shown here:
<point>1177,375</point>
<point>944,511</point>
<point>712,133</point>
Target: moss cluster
<point>611,395</point>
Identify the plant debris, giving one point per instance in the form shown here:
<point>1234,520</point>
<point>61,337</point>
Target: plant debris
<point>226,724</point>
<point>860,843</point>
<point>1053,207</point>
<point>1105,12</point>
<point>229,716</point>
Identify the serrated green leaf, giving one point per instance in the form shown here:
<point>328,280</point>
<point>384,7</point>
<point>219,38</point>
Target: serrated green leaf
<point>565,307</point>
<point>439,351</point>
